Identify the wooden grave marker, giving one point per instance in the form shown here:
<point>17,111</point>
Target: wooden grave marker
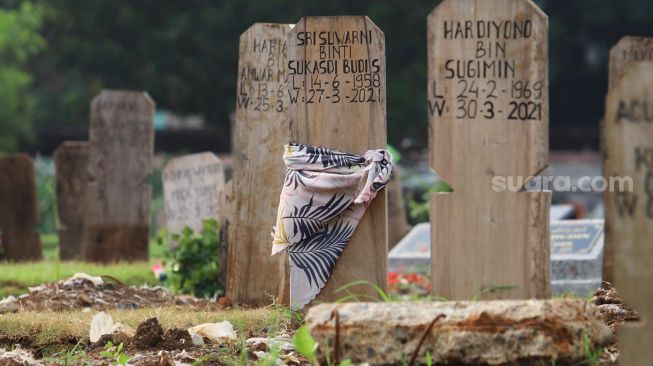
<point>398,225</point>
<point>336,69</point>
<point>72,177</point>
<point>121,149</point>
<point>261,129</point>
<point>19,213</point>
<point>193,186</point>
<point>629,212</point>
<point>628,50</point>
<point>488,120</point>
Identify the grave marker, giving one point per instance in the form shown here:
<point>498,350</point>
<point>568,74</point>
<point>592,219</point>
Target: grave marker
<point>488,114</point>
<point>261,129</point>
<point>398,225</point>
<point>628,50</point>
<point>71,170</point>
<point>629,214</point>
<point>576,256</point>
<point>412,254</point>
<point>336,68</point>
<point>19,214</point>
<point>121,148</point>
<point>193,186</point>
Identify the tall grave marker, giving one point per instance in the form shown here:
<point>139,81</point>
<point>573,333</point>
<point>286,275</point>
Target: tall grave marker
<point>627,51</point>
<point>336,68</point>
<point>488,117</point>
<point>629,214</point>
<point>19,213</point>
<point>121,141</point>
<point>193,186</point>
<point>261,129</point>
<point>72,177</point>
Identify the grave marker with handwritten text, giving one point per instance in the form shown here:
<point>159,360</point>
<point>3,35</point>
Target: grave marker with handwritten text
<point>121,148</point>
<point>336,68</point>
<point>629,212</point>
<point>193,186</point>
<point>488,115</point>
<point>260,130</point>
<point>628,50</point>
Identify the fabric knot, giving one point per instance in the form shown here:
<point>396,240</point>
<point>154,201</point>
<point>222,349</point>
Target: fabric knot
<point>377,156</point>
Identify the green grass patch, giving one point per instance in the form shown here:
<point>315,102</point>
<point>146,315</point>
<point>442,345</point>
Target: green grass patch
<point>16,277</point>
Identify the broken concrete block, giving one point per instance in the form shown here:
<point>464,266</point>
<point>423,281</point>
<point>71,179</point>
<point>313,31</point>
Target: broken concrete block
<point>468,333</point>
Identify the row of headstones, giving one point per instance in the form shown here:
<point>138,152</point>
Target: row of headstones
<point>488,109</point>
<point>103,203</point>
<point>322,82</point>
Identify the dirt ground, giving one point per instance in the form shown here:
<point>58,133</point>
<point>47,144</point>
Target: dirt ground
<point>79,293</point>
<point>155,345</point>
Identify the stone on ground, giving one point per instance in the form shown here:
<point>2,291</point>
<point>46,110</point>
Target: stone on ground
<point>468,333</point>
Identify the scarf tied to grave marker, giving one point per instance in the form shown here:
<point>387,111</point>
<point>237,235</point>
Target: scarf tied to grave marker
<point>324,196</point>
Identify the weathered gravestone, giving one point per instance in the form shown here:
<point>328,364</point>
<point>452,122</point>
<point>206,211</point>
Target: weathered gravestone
<point>576,256</point>
<point>413,253</point>
<point>628,50</point>
<point>193,186</point>
<point>19,213</point>
<point>121,148</point>
<point>71,169</point>
<point>629,213</point>
<point>261,129</point>
<point>336,68</point>
<point>488,109</point>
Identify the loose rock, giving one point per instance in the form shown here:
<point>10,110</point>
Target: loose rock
<point>215,332</point>
<point>266,344</point>
<point>9,305</point>
<point>101,324</point>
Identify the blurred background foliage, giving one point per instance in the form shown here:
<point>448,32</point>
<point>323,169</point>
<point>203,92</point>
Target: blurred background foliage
<point>184,53</point>
<point>19,40</point>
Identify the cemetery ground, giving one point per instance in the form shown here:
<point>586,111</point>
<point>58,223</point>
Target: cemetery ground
<point>56,337</point>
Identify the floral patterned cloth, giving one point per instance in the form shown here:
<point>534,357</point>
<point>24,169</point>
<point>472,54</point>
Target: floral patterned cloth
<point>324,197</point>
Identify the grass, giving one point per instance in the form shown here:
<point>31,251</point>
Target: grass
<point>16,277</point>
<point>51,330</point>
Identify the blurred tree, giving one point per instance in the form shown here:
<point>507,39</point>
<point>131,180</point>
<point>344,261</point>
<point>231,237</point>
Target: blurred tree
<point>185,54</point>
<point>19,41</point>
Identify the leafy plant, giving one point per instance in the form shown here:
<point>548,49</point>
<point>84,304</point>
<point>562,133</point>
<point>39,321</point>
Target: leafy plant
<point>71,357</point>
<point>193,261</point>
<point>306,345</point>
<point>418,209</point>
<point>47,196</point>
<point>114,354</point>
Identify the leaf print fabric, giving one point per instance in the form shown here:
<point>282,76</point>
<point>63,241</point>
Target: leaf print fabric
<point>324,196</point>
